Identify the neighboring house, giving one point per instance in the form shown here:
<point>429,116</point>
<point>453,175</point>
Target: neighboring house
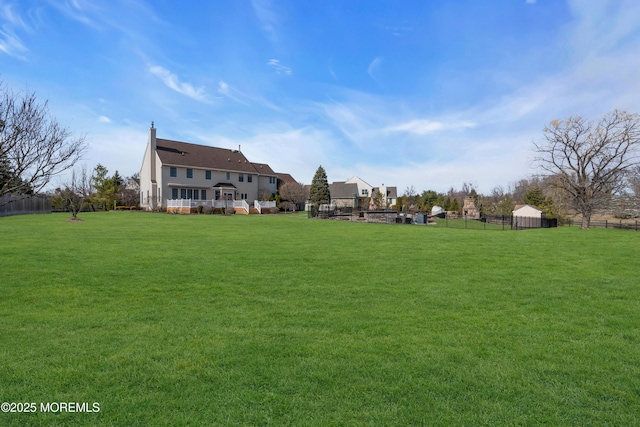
<point>390,194</point>
<point>364,188</point>
<point>355,193</point>
<point>344,195</point>
<point>173,170</point>
<point>284,178</point>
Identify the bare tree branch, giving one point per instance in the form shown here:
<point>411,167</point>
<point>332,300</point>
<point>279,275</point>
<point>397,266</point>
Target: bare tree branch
<point>589,161</point>
<point>34,147</point>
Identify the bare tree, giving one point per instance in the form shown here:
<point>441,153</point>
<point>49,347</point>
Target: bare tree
<point>634,180</point>
<point>264,194</point>
<point>129,191</point>
<point>34,147</point>
<point>293,192</point>
<point>76,191</point>
<point>588,160</point>
<point>409,198</point>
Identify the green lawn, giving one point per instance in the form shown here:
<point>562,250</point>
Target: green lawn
<point>169,320</point>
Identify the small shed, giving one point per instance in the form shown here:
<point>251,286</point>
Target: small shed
<point>528,211</point>
<point>527,216</point>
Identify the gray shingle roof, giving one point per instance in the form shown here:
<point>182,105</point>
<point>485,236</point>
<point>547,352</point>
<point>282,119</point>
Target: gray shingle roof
<point>342,190</point>
<point>201,156</point>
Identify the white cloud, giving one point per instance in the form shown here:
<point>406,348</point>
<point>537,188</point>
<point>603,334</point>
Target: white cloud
<point>373,68</point>
<point>278,67</point>
<point>173,82</point>
<point>104,119</point>
<point>78,10</point>
<point>10,42</point>
<point>268,18</point>
<point>287,150</point>
<point>231,93</point>
<point>424,127</point>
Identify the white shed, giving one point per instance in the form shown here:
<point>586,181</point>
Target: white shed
<point>528,211</point>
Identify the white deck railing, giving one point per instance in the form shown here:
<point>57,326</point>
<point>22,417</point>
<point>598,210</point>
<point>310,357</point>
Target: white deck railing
<point>191,203</point>
<point>259,205</point>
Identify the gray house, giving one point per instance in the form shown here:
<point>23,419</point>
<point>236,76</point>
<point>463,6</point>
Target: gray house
<point>196,175</point>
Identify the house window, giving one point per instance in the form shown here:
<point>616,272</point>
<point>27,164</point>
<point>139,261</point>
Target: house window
<point>207,175</point>
<point>195,194</point>
<point>272,180</point>
<point>249,178</point>
<point>228,176</point>
<point>189,193</point>
<point>365,192</point>
<point>189,173</point>
<point>203,194</point>
<point>173,172</point>
<point>183,193</point>
<point>240,177</point>
<point>174,193</point>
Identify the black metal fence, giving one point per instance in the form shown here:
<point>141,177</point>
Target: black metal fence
<point>497,222</point>
<point>486,222</point>
<point>19,205</point>
<point>387,216</point>
<point>619,224</point>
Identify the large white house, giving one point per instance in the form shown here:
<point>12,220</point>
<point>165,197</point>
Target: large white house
<point>180,171</point>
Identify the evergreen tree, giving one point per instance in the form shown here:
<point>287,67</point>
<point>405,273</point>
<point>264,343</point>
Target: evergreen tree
<point>446,203</point>
<point>319,191</point>
<point>107,188</point>
<point>535,197</point>
<point>429,199</point>
<point>455,207</point>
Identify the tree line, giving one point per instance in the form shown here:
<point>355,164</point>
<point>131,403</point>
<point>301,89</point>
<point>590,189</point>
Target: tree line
<point>583,164</point>
<point>97,191</point>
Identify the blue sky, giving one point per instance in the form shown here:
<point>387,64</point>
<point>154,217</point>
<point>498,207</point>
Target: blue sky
<point>429,93</point>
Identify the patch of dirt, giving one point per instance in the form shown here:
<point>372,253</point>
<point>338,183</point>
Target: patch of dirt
<point>72,219</point>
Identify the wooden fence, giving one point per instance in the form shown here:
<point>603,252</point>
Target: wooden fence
<point>20,205</point>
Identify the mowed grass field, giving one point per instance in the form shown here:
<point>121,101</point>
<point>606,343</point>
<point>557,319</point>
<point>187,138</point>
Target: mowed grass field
<point>168,320</point>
